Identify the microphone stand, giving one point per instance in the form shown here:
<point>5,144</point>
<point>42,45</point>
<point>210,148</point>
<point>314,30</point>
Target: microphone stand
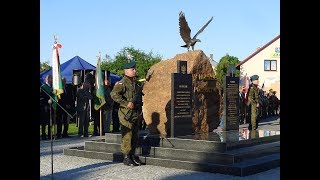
<point>71,116</point>
<point>50,102</point>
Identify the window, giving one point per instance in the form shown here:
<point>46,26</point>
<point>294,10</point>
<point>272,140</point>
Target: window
<point>270,65</point>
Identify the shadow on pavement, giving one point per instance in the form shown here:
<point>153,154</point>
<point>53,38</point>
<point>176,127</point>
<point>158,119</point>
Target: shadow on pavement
<point>75,173</point>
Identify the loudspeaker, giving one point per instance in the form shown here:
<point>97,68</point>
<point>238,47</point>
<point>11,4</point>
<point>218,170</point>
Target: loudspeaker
<point>77,76</point>
<point>89,76</point>
<point>103,75</point>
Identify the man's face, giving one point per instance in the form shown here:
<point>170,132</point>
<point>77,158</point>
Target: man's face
<point>106,83</point>
<point>256,82</point>
<point>130,72</point>
<point>49,79</point>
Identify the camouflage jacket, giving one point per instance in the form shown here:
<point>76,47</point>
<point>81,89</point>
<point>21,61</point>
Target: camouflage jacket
<point>253,96</point>
<point>124,92</point>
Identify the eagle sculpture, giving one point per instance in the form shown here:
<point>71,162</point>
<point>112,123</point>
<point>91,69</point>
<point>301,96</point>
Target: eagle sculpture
<point>185,32</point>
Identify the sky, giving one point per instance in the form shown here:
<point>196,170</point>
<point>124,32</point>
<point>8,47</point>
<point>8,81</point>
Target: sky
<point>84,28</point>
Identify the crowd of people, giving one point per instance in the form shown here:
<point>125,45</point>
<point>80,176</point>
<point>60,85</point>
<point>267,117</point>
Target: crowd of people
<point>123,109</point>
<point>254,105</point>
<point>265,104</point>
<point>76,106</point>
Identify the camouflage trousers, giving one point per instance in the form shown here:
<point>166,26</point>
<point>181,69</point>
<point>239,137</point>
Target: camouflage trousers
<point>130,137</point>
<point>254,115</point>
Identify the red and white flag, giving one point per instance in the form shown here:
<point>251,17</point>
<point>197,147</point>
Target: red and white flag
<point>56,73</point>
<point>246,88</point>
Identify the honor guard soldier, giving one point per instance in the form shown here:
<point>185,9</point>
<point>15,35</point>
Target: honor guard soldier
<point>124,92</point>
<point>254,100</point>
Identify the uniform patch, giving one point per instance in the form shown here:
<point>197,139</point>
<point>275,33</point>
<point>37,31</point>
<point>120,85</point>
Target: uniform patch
<point>118,86</point>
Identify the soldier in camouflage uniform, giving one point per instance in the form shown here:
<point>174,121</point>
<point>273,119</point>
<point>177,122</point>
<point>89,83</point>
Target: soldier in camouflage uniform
<point>124,92</point>
<point>254,100</point>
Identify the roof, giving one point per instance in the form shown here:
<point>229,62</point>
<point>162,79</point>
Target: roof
<point>78,63</point>
<point>256,52</point>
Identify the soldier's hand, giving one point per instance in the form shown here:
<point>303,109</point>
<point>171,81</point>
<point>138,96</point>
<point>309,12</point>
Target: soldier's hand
<point>257,105</point>
<point>130,105</point>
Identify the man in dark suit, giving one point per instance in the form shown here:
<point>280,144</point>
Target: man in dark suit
<point>83,97</point>
<point>67,103</point>
<point>45,107</point>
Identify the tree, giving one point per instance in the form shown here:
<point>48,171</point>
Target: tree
<point>144,61</point>
<point>222,69</point>
<point>44,66</point>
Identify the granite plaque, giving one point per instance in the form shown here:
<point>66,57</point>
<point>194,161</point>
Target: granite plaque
<point>231,103</point>
<point>181,104</point>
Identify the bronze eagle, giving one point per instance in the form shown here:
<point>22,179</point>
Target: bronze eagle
<point>185,32</point>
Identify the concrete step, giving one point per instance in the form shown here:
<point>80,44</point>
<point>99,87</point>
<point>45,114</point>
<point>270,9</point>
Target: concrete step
<point>252,142</point>
<point>191,144</point>
<point>156,141</point>
<point>228,157</point>
<point>191,155</point>
<point>226,153</point>
<point>243,168</point>
<point>194,144</point>
<point>80,152</point>
<point>255,151</point>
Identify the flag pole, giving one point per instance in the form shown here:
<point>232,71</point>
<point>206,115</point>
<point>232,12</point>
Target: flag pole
<point>51,142</point>
<point>100,122</point>
<point>100,94</point>
<point>54,123</point>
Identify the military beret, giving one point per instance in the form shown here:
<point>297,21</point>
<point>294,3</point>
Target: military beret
<point>129,65</point>
<point>254,77</point>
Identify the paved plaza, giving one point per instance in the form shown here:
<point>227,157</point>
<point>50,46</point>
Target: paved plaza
<point>72,167</point>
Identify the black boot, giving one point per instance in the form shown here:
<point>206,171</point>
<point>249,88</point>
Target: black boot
<point>127,160</point>
<point>135,160</point>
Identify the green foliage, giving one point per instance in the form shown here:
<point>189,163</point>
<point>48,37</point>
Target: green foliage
<point>144,61</point>
<point>44,66</point>
<point>223,67</point>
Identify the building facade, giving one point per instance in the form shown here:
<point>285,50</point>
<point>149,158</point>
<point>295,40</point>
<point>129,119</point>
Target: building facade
<point>213,63</point>
<point>265,62</point>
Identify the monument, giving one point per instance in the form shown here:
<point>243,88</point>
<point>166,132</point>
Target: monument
<point>181,101</point>
<point>231,101</point>
<point>205,95</point>
<point>185,32</point>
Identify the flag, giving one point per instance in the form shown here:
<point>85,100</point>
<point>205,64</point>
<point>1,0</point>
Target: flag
<point>56,73</point>
<point>246,83</point>
<point>246,89</point>
<point>100,100</point>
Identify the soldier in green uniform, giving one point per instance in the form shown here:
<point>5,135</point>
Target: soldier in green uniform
<point>124,92</point>
<point>254,100</point>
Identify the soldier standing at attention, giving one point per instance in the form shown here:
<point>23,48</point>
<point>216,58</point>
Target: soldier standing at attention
<point>124,93</point>
<point>253,98</point>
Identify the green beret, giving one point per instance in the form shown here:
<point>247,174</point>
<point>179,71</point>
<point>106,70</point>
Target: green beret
<point>254,77</point>
<point>129,65</point>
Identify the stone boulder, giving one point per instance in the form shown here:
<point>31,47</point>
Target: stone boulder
<point>157,94</point>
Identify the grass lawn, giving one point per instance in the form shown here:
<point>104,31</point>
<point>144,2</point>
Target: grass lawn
<point>73,129</point>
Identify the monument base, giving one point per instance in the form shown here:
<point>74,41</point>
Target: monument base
<point>238,153</point>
